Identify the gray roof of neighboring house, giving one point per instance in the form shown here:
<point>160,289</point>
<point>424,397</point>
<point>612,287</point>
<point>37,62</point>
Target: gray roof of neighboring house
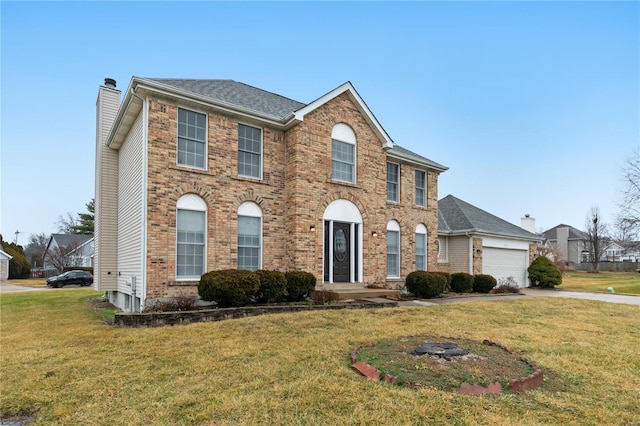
<point>64,240</point>
<point>457,216</point>
<point>265,103</point>
<point>574,234</point>
<point>237,94</point>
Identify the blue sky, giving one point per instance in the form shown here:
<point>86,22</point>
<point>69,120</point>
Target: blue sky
<point>533,106</point>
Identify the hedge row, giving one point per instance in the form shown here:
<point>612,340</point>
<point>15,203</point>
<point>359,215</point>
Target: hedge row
<point>233,287</point>
<point>432,284</point>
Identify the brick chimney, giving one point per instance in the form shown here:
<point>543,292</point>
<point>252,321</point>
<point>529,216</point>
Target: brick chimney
<point>106,191</point>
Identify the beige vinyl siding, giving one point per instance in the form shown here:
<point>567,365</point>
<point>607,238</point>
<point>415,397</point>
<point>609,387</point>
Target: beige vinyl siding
<point>130,208</point>
<point>106,193</point>
<point>458,254</point>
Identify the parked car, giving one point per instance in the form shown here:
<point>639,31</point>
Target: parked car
<point>83,278</point>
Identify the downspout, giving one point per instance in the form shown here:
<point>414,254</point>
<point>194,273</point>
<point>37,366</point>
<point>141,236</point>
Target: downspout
<point>143,279</point>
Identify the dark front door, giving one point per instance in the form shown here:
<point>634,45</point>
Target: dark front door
<point>341,252</point>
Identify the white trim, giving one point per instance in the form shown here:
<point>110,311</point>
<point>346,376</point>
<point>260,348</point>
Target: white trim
<point>346,212</point>
<point>347,87</point>
<point>192,202</point>
<point>251,209</point>
<point>397,183</point>
<point>394,226</point>
<point>342,211</point>
<point>206,137</point>
<point>344,133</point>
<point>261,149</point>
<point>144,210</point>
<point>415,187</point>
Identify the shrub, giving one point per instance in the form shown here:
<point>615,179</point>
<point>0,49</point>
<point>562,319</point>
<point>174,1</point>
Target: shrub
<point>230,287</point>
<point>425,284</point>
<point>544,273</point>
<point>273,286</point>
<point>461,282</point>
<point>324,297</point>
<point>447,277</point>
<point>483,283</point>
<point>300,284</point>
<point>19,267</point>
<point>506,285</point>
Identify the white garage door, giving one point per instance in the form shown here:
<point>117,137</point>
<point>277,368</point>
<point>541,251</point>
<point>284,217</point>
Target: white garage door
<point>503,263</point>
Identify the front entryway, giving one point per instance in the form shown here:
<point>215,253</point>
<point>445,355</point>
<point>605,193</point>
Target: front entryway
<point>342,254</point>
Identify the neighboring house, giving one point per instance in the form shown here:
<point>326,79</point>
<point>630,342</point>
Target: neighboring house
<point>631,252</point>
<point>83,254</point>
<point>571,244</point>
<point>201,175</point>
<point>4,264</point>
<point>59,246</point>
<point>474,241</point>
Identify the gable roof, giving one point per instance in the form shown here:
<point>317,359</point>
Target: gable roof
<point>236,94</point>
<point>574,234</point>
<point>64,240</point>
<point>5,254</point>
<point>459,217</point>
<point>245,100</point>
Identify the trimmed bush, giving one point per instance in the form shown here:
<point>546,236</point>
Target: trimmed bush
<point>273,286</point>
<point>230,287</point>
<point>544,273</point>
<point>447,277</point>
<point>461,282</point>
<point>300,284</point>
<point>425,284</point>
<point>324,297</point>
<point>484,283</point>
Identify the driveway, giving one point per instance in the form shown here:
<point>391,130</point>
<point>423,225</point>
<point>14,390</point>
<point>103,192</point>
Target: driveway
<point>10,288</point>
<point>602,297</point>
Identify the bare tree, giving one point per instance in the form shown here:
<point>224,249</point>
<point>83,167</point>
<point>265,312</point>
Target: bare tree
<point>596,236</point>
<point>630,204</point>
<point>58,257</point>
<point>35,249</point>
<point>67,223</point>
<point>552,253</point>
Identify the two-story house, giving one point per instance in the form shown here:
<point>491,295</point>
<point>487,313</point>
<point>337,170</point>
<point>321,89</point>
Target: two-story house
<point>201,175</point>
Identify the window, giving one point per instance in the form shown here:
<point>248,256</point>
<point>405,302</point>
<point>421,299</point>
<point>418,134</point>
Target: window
<point>393,249</point>
<point>249,151</point>
<point>191,231</point>
<point>343,153</point>
<point>421,247</point>
<point>421,188</point>
<point>249,236</point>
<point>393,182</point>
<point>192,138</point>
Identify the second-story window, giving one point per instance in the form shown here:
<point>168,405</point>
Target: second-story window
<point>249,151</point>
<point>393,182</point>
<point>192,138</point>
<point>421,188</point>
<point>343,153</point>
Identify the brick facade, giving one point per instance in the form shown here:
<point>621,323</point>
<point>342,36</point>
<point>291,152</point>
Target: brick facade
<point>294,193</point>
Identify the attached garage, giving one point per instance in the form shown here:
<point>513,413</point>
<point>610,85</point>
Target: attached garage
<point>504,263</point>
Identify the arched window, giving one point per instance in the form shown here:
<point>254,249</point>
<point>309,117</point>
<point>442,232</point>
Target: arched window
<point>393,249</point>
<point>343,153</point>
<point>421,247</point>
<point>249,236</point>
<point>191,229</point>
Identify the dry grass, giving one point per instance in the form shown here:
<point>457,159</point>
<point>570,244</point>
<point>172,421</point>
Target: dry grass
<point>62,364</point>
<point>622,282</point>
<point>29,282</point>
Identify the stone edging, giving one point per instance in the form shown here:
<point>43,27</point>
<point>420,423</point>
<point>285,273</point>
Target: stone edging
<point>522,384</point>
<point>159,319</point>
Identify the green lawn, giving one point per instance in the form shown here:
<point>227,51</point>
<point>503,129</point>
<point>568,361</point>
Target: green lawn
<point>61,363</point>
<point>621,282</point>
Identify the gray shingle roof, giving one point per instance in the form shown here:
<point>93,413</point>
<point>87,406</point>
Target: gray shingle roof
<point>236,94</point>
<point>574,234</point>
<point>64,240</point>
<point>399,151</point>
<point>455,215</point>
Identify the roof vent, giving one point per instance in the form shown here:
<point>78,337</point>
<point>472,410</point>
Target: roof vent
<point>110,83</point>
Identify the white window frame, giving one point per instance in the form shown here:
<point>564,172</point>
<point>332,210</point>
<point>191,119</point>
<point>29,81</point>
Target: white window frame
<point>192,202</point>
<point>250,209</point>
<point>393,228</point>
<point>260,166</point>
<point>397,200</point>
<point>204,142</point>
<point>342,133</point>
<point>421,232</point>
<point>424,188</point>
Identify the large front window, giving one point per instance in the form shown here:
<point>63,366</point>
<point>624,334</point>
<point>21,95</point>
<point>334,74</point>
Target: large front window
<point>421,248</point>
<point>192,147</point>
<point>249,237</point>
<point>249,151</point>
<point>393,182</point>
<point>191,237</point>
<point>343,153</point>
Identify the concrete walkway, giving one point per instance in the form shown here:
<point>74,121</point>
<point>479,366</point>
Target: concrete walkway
<point>601,297</point>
